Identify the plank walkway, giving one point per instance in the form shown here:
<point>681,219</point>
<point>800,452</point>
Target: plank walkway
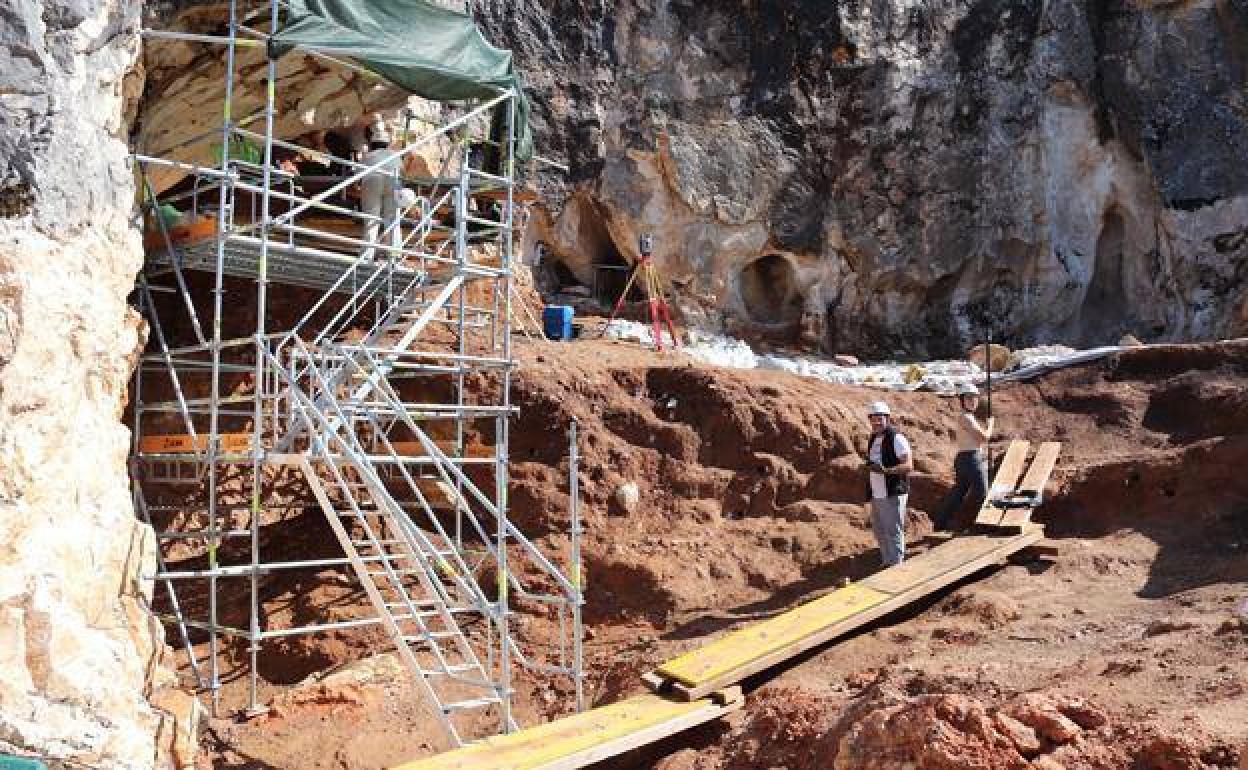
<point>698,686</point>
<point>752,649</point>
<point>581,739</point>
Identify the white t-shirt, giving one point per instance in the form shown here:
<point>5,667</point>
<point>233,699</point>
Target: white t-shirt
<point>901,447</point>
<point>377,188</point>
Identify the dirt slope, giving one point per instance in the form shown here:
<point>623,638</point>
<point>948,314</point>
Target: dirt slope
<point>1123,652</point>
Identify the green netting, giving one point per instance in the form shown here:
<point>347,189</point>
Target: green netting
<point>433,52</point>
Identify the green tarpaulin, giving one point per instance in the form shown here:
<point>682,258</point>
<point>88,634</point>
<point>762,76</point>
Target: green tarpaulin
<point>431,51</point>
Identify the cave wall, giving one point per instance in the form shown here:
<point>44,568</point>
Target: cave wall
<point>929,169</point>
<point>82,671</point>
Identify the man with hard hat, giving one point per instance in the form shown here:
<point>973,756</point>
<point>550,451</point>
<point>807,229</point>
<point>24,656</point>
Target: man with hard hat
<point>889,464</point>
<point>968,465</point>
<point>377,189</point>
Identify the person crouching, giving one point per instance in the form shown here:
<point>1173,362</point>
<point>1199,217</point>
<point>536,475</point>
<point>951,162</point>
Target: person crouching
<point>889,464</point>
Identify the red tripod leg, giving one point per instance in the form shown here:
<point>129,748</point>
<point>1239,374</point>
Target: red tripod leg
<point>671,328</point>
<point>654,310</point>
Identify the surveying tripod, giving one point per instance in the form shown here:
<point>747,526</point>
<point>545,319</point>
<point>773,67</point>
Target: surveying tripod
<point>660,312</point>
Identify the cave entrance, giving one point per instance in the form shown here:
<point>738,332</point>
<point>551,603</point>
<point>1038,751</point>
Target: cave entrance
<point>769,291</point>
<point>611,273</point>
<point>1105,313</point>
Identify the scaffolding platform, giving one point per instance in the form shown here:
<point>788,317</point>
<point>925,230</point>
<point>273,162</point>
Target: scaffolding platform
<point>301,266</point>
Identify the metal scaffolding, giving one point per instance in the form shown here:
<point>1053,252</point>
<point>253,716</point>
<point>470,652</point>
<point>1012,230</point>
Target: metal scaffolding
<point>386,405</point>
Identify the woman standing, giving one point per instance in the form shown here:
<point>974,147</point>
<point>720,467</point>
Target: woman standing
<point>968,466</point>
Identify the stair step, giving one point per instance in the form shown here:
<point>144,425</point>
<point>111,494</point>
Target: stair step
<point>460,668</point>
<point>399,572</point>
<point>471,703</point>
<point>378,544</point>
<point>414,603</point>
<point>432,635</point>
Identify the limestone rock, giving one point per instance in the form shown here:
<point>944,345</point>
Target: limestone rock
<point>79,652</point>
<point>995,356</point>
<point>916,174</point>
<point>180,115</point>
<point>627,496</point>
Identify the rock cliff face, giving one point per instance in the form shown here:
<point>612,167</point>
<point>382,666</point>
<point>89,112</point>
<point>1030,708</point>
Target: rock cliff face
<point>80,657</point>
<point>901,175</point>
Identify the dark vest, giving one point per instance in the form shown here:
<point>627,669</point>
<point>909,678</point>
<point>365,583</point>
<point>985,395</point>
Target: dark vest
<point>895,485</point>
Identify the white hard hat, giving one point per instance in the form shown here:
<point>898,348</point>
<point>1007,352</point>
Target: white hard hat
<point>377,132</point>
<point>878,407</point>
<point>967,389</point>
<point>405,198</point>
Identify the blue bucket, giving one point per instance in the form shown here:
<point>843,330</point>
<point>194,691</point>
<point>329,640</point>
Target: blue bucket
<point>9,762</point>
<point>557,322</point>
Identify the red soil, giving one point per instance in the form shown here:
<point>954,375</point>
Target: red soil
<point>1122,652</point>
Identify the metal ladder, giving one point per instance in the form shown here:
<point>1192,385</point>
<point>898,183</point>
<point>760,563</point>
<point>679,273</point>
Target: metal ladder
<point>416,585</point>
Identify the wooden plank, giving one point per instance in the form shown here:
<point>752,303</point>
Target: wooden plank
<point>1034,482</point>
<point>182,443</point>
<point>728,653</point>
<point>416,449</point>
<point>1006,480</point>
<point>519,195</point>
<point>1041,468</point>
<point>930,564</point>
<point>581,739</point>
<point>975,553</point>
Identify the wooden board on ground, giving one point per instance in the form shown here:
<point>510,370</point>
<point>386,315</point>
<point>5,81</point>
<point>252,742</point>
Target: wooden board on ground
<point>581,739</point>
<point>1033,483</point>
<point>1004,483</point>
<point>726,654</point>
<point>943,564</point>
<point>737,655</point>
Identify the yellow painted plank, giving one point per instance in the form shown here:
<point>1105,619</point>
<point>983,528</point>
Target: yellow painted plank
<point>1006,480</point>
<point>548,744</point>
<point>738,648</point>
<point>932,564</point>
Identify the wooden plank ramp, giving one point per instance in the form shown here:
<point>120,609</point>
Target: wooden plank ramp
<point>737,655</point>
<point>703,684</point>
<point>591,736</point>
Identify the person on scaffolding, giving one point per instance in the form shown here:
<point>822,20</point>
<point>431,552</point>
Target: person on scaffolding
<point>377,190</point>
<point>969,473</point>
<point>889,464</point>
